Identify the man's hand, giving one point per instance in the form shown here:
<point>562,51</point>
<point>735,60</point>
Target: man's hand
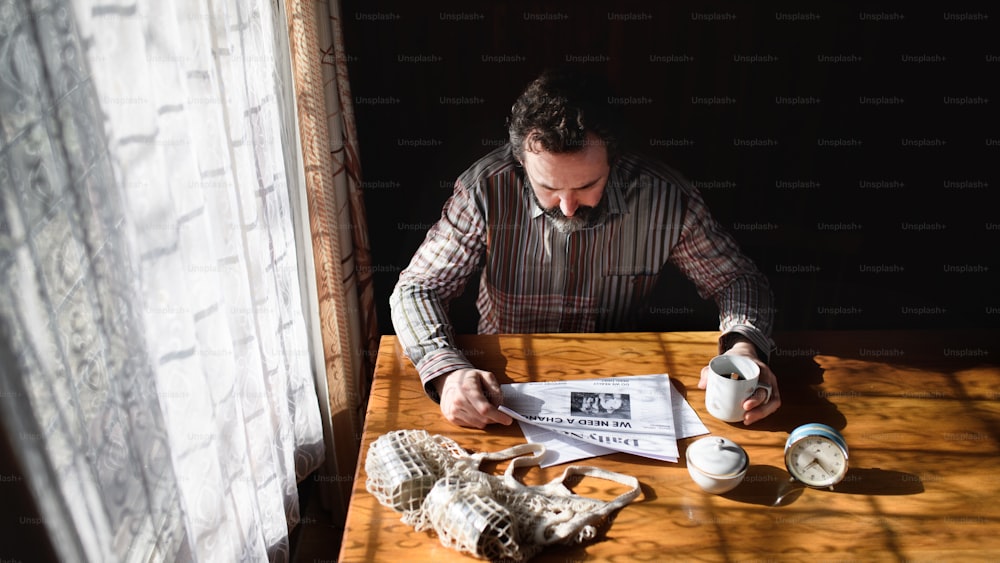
<point>469,397</point>
<point>755,406</point>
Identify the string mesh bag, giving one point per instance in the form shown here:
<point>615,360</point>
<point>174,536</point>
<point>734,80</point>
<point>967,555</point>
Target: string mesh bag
<point>493,517</point>
<point>402,466</point>
<point>463,512</point>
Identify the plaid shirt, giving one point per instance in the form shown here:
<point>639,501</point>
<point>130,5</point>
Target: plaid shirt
<point>535,278</point>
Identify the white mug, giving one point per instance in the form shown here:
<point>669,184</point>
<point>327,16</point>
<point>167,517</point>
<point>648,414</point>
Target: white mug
<point>734,379</point>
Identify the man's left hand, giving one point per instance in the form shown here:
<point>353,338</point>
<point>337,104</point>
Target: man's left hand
<point>755,406</point>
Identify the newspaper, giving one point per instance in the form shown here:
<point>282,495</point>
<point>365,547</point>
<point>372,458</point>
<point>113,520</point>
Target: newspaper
<point>583,418</point>
<point>563,449</point>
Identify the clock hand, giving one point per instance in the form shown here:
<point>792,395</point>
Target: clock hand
<point>821,466</point>
<point>816,462</point>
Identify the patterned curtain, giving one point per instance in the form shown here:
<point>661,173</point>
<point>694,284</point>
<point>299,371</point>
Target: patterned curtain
<point>339,234</point>
<point>157,385</point>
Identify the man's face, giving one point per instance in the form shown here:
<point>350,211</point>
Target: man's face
<point>569,186</point>
<point>611,402</point>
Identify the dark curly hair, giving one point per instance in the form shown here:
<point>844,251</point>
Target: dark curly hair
<point>557,110</point>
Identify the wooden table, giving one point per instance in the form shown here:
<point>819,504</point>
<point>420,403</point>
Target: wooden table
<point>919,411</point>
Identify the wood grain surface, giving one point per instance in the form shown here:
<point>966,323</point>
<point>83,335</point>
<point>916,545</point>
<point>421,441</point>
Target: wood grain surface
<point>919,411</point>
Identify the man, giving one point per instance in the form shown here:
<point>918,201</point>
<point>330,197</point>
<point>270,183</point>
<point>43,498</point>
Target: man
<point>570,233</point>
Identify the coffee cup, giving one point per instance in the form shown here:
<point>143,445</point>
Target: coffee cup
<point>733,380</point>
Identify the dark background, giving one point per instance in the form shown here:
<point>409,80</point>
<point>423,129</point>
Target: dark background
<point>876,233</point>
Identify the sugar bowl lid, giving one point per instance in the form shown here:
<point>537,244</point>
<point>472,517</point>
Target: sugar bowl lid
<point>718,456</point>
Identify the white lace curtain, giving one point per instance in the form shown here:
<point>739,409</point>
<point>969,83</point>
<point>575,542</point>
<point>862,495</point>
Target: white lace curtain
<point>157,382</point>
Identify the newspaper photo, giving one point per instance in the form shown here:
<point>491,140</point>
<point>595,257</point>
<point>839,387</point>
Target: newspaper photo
<point>632,414</point>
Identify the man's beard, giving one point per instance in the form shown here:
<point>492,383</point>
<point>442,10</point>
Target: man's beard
<point>585,216</point>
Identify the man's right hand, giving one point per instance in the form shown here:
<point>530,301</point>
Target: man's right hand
<point>469,397</point>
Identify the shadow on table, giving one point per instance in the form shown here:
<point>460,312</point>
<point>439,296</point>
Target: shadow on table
<point>801,367</point>
<point>767,485</point>
<point>874,364</point>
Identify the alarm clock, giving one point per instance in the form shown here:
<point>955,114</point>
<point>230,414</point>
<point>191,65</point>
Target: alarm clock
<point>816,455</point>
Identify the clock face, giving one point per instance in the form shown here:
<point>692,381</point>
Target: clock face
<point>817,461</point>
